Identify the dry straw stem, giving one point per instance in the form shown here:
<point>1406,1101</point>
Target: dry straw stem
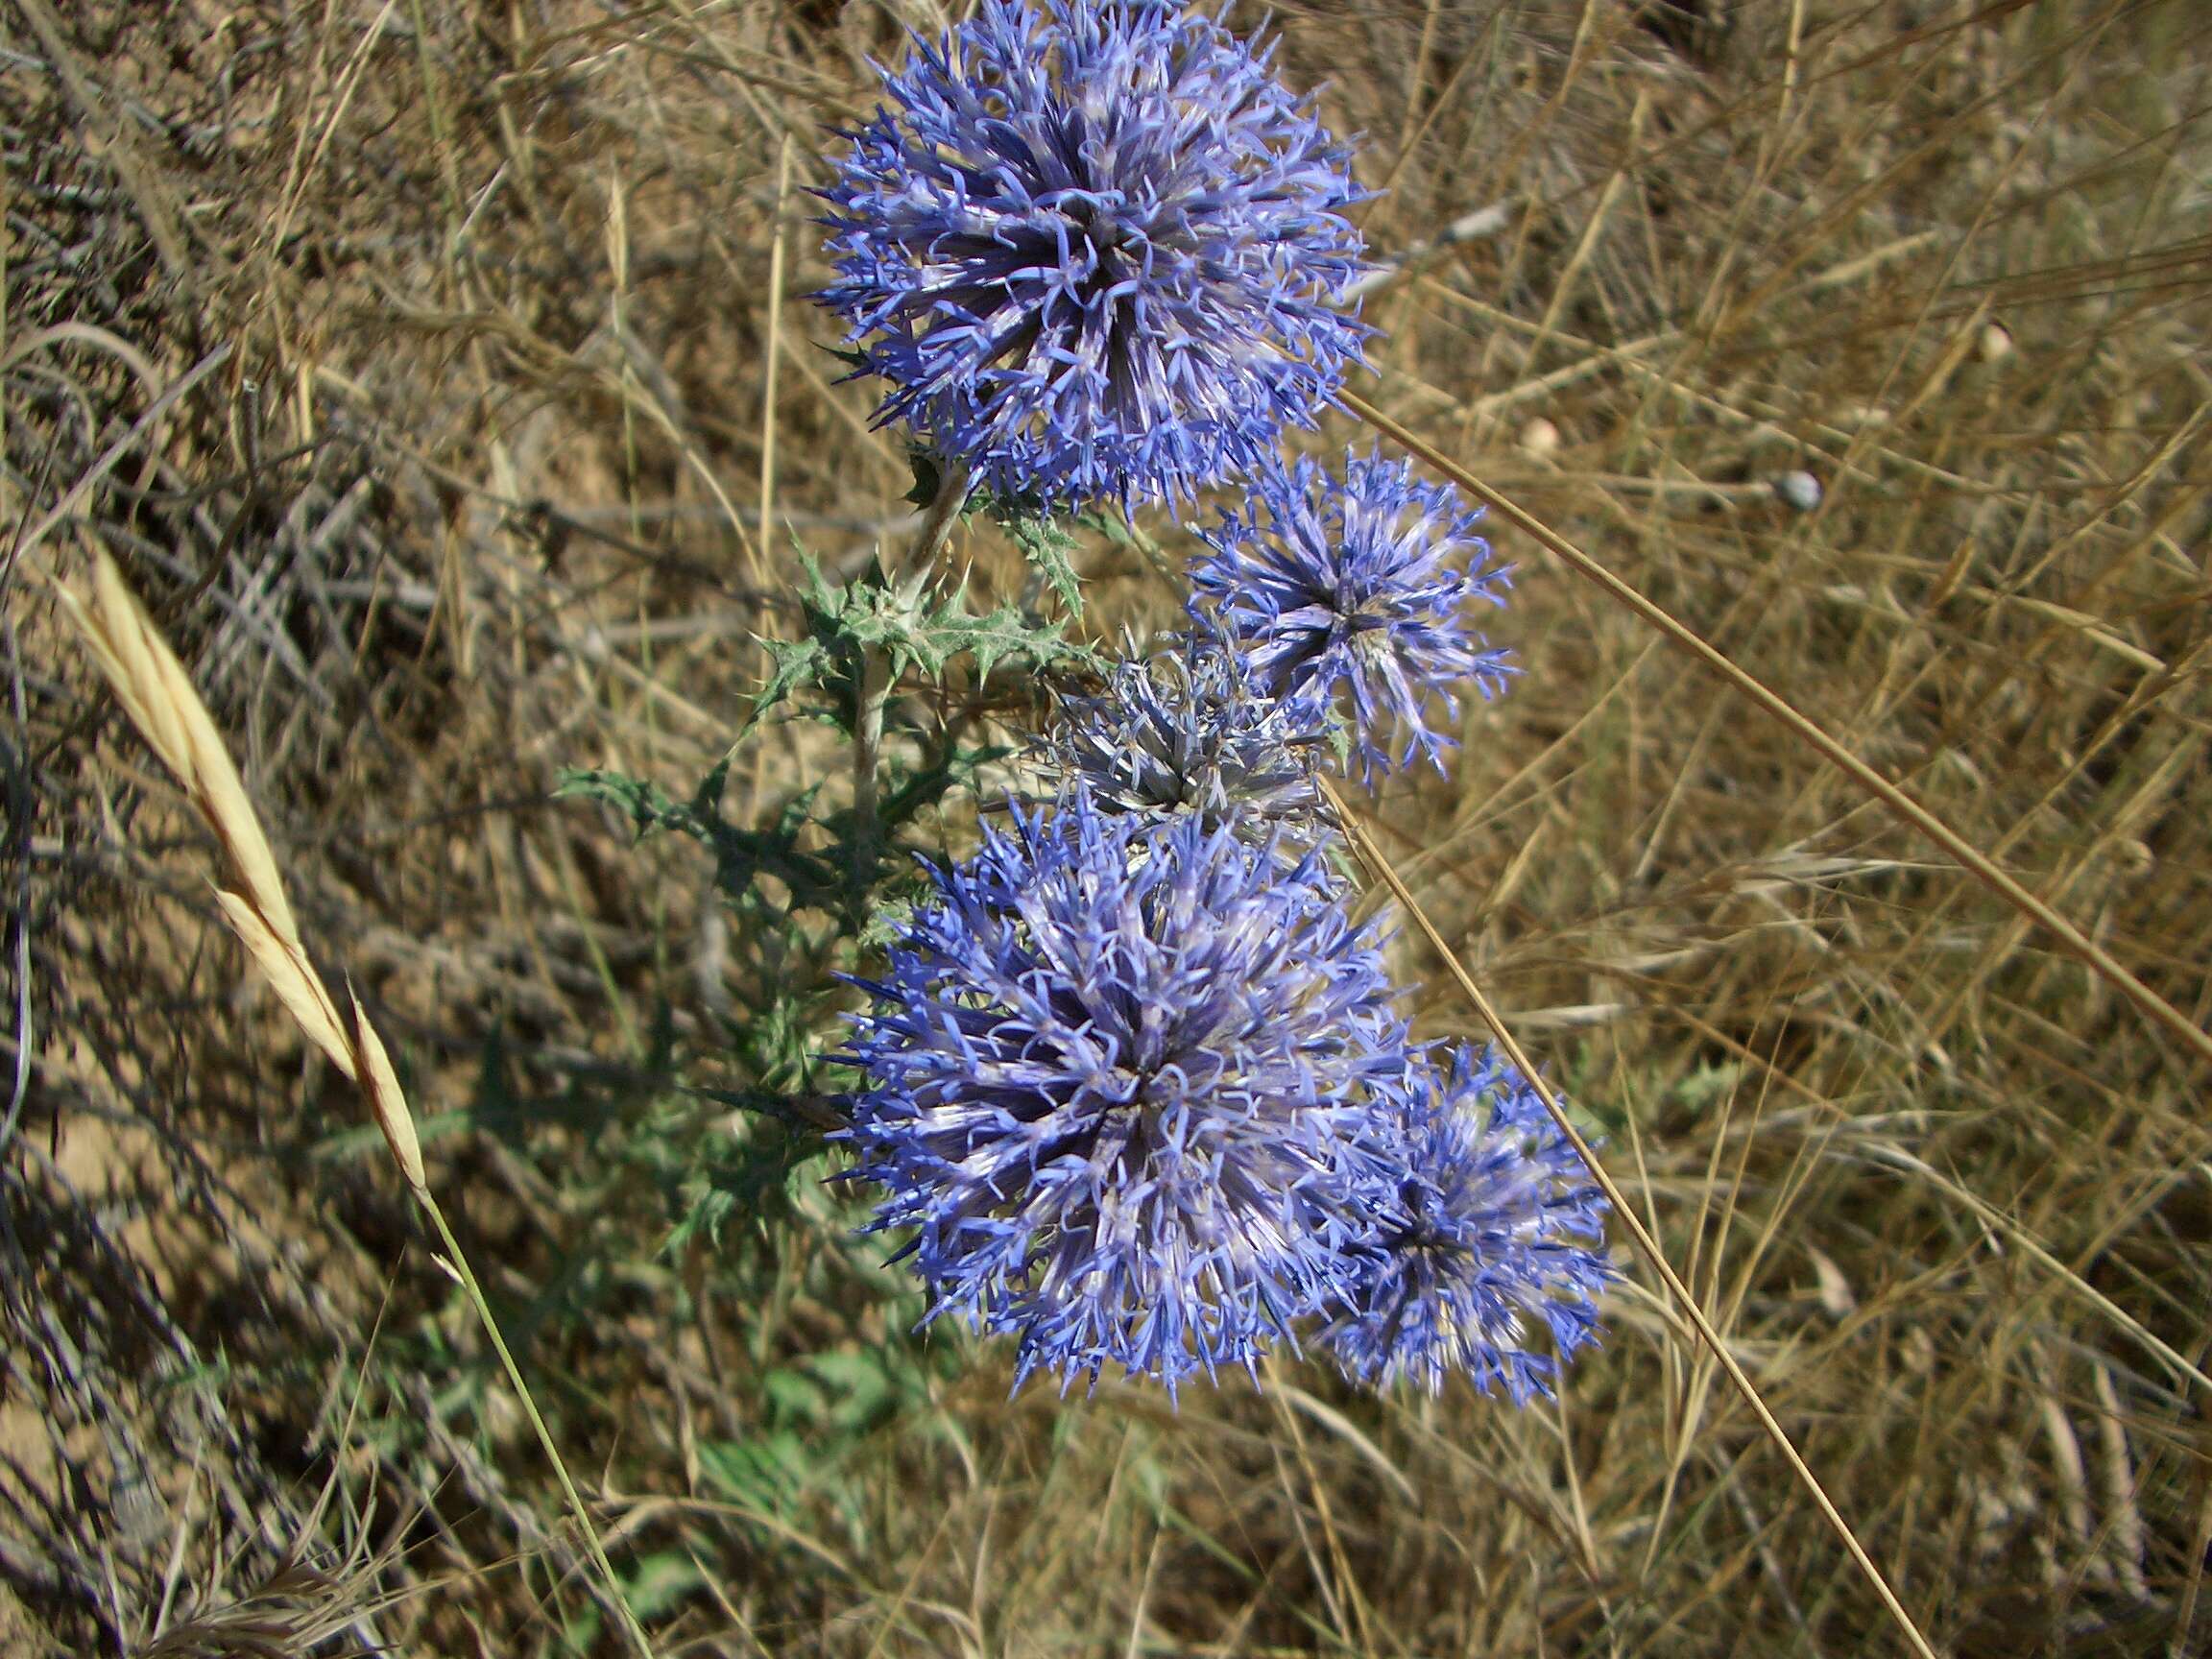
<point>1803,726</point>
<point>73,498</point>
<point>1372,855</point>
<point>163,703</point>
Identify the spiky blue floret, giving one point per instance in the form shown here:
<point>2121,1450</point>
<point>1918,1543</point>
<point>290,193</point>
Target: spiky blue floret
<point>1358,588</point>
<point>1504,1229</point>
<point>1183,730</point>
<point>1121,1079</point>
<point>1091,248</point>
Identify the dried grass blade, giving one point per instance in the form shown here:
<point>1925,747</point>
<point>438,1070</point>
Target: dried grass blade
<point>161,701</point>
<point>137,677</point>
<point>208,769</point>
<point>1646,1243</point>
<point>1803,726</point>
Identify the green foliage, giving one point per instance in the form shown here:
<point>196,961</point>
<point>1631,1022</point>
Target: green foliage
<point>814,879</point>
<point>815,885</point>
<point>1048,546</point>
<point>1043,539</point>
<point>1707,1084</point>
<point>911,624</point>
<point>824,1414</point>
<point>584,1104</point>
<point>653,1584</point>
<point>912,628</point>
<point>753,1180</point>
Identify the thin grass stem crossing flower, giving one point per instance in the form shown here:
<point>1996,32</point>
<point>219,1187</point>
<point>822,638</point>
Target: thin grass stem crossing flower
<point>1504,1231</point>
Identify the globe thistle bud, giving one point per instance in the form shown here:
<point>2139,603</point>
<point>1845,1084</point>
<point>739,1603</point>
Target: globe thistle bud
<point>1185,730</point>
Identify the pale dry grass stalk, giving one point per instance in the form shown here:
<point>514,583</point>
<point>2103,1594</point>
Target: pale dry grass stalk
<point>290,1610</point>
<point>778,246</point>
<point>1646,1243</point>
<point>165,706</point>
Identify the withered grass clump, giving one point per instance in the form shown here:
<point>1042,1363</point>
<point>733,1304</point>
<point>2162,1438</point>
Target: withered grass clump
<point>435,375</point>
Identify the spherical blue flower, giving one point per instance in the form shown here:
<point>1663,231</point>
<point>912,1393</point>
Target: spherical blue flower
<point>1356,588</point>
<point>1504,1227</point>
<point>1121,1085</point>
<point>1185,730</point>
<point>1091,247</point>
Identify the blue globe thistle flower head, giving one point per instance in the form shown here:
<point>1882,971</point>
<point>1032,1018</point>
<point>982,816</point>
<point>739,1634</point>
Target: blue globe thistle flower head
<point>1503,1230</point>
<point>1183,730</point>
<point>1093,249</point>
<point>1122,1085</point>
<point>1358,589</point>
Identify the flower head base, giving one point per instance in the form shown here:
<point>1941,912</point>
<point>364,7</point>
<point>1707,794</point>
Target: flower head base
<point>1356,588</point>
<point>1122,1089</point>
<point>1504,1228</point>
<point>1184,731</point>
<point>1090,247</point>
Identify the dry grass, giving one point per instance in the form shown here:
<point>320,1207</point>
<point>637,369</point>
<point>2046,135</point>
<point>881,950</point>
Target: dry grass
<point>482,305</point>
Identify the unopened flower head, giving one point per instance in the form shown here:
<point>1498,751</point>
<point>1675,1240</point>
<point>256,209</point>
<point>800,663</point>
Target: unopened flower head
<point>1091,248</point>
<point>1358,589</point>
<point>1122,1078</point>
<point>1505,1229</point>
<point>1185,730</point>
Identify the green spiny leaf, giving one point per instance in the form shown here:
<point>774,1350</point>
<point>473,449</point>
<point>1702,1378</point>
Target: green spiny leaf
<point>648,805</point>
<point>797,662</point>
<point>1048,548</point>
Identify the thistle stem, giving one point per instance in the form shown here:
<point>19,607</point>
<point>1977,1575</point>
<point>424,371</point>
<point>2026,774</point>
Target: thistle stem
<point>937,523</point>
<point>876,684</point>
<point>867,756</point>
